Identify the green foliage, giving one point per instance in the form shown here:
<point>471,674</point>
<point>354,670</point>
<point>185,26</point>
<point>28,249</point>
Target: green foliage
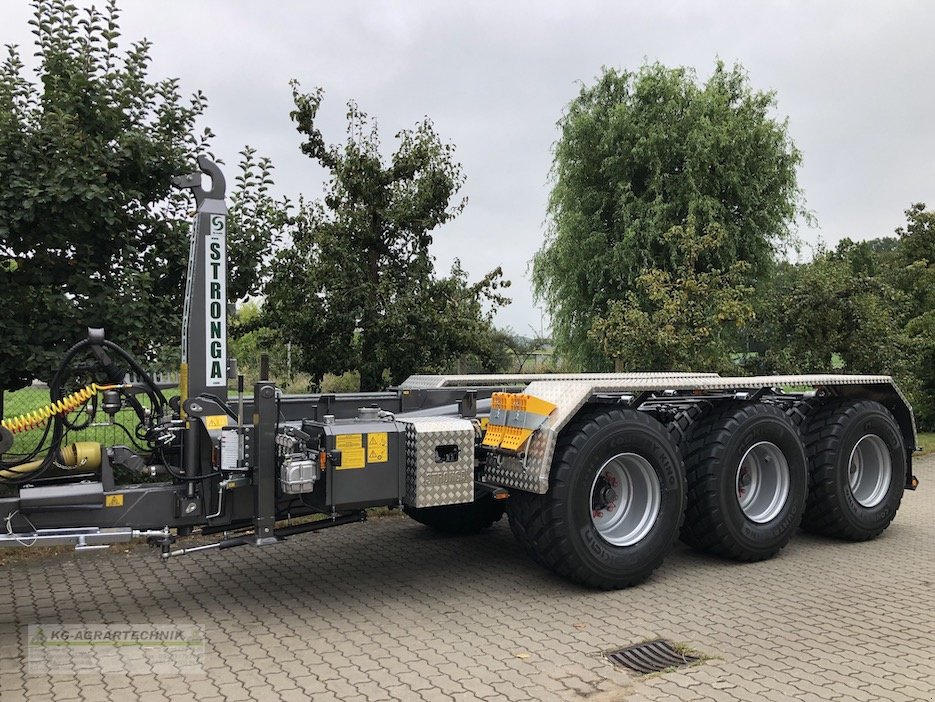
<point>641,153</point>
<point>346,382</point>
<point>249,338</point>
<point>357,289</point>
<point>681,320</point>
<point>926,443</point>
<point>522,350</point>
<point>866,307</point>
<point>86,212</point>
<point>830,306</point>
<point>255,223</point>
<point>914,273</point>
<point>90,232</point>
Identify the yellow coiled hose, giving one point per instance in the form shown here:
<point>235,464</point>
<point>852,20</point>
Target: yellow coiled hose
<point>69,403</point>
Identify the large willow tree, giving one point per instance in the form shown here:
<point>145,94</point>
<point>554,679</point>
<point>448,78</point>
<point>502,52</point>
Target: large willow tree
<point>641,153</point>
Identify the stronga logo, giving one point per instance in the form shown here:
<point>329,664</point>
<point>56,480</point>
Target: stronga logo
<point>215,294</point>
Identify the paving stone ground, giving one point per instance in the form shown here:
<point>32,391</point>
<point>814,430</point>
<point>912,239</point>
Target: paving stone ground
<point>388,610</point>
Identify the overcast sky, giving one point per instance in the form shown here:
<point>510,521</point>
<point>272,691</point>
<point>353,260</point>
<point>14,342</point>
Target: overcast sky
<point>854,79</point>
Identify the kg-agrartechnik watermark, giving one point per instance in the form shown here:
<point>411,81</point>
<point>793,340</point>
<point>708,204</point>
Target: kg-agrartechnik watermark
<point>167,649</point>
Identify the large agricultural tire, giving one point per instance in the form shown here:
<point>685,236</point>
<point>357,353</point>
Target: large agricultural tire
<point>463,519</point>
<point>614,505</point>
<point>800,412</point>
<point>857,470</point>
<point>747,480</point>
<point>682,422</point>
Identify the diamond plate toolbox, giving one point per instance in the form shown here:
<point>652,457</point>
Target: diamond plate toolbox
<point>439,461</point>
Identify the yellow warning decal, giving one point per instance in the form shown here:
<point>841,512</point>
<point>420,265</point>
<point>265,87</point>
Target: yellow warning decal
<point>352,451</point>
<point>113,501</point>
<point>215,421</point>
<point>377,448</point>
<point>352,458</point>
<point>342,442</point>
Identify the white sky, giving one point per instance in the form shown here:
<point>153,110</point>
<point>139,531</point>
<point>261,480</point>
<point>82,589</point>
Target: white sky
<point>854,78</point>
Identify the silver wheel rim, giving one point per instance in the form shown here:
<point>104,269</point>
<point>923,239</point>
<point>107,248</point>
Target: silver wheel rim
<point>625,499</point>
<point>762,482</point>
<point>870,470</point>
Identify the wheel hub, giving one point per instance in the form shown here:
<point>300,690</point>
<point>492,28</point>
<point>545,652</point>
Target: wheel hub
<point>870,470</point>
<point>762,482</point>
<point>625,499</point>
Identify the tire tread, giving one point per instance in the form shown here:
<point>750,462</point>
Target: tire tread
<point>537,522</point>
<point>704,527</point>
<point>823,436</point>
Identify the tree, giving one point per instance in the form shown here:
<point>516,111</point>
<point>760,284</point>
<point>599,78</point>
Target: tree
<point>865,307</point>
<point>91,234</point>
<point>357,290</point>
<point>86,212</point>
<point>255,225</point>
<point>646,330</point>
<point>640,153</point>
<point>830,310</point>
<point>250,339</point>
<point>914,274</point>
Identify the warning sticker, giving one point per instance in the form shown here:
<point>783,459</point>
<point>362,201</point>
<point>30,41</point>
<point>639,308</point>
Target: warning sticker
<point>377,451</point>
<point>352,458</point>
<point>215,421</point>
<point>113,501</point>
<point>342,442</point>
<point>352,451</point>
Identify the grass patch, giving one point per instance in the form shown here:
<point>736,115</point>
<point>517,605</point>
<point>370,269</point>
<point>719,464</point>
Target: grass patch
<point>926,443</point>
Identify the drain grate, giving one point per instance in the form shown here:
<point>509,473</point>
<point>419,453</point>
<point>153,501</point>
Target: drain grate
<point>651,657</point>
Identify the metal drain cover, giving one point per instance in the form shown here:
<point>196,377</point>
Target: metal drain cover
<point>651,657</point>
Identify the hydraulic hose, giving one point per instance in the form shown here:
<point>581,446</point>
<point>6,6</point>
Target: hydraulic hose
<point>153,390</point>
<point>60,406</point>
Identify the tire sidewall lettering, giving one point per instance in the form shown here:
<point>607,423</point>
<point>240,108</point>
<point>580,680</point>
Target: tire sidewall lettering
<point>605,443</point>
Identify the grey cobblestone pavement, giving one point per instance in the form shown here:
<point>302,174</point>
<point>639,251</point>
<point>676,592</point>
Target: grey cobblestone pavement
<point>387,610</point>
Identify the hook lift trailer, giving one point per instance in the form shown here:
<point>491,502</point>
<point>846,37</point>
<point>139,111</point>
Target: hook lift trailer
<point>598,473</point>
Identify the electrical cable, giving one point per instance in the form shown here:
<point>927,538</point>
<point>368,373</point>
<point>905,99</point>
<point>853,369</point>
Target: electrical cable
<point>27,457</point>
<point>187,478</point>
<point>157,397</point>
<point>142,449</point>
<point>55,422</point>
<point>72,425</point>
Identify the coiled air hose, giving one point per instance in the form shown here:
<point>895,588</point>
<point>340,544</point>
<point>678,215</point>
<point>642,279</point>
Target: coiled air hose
<point>69,403</point>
